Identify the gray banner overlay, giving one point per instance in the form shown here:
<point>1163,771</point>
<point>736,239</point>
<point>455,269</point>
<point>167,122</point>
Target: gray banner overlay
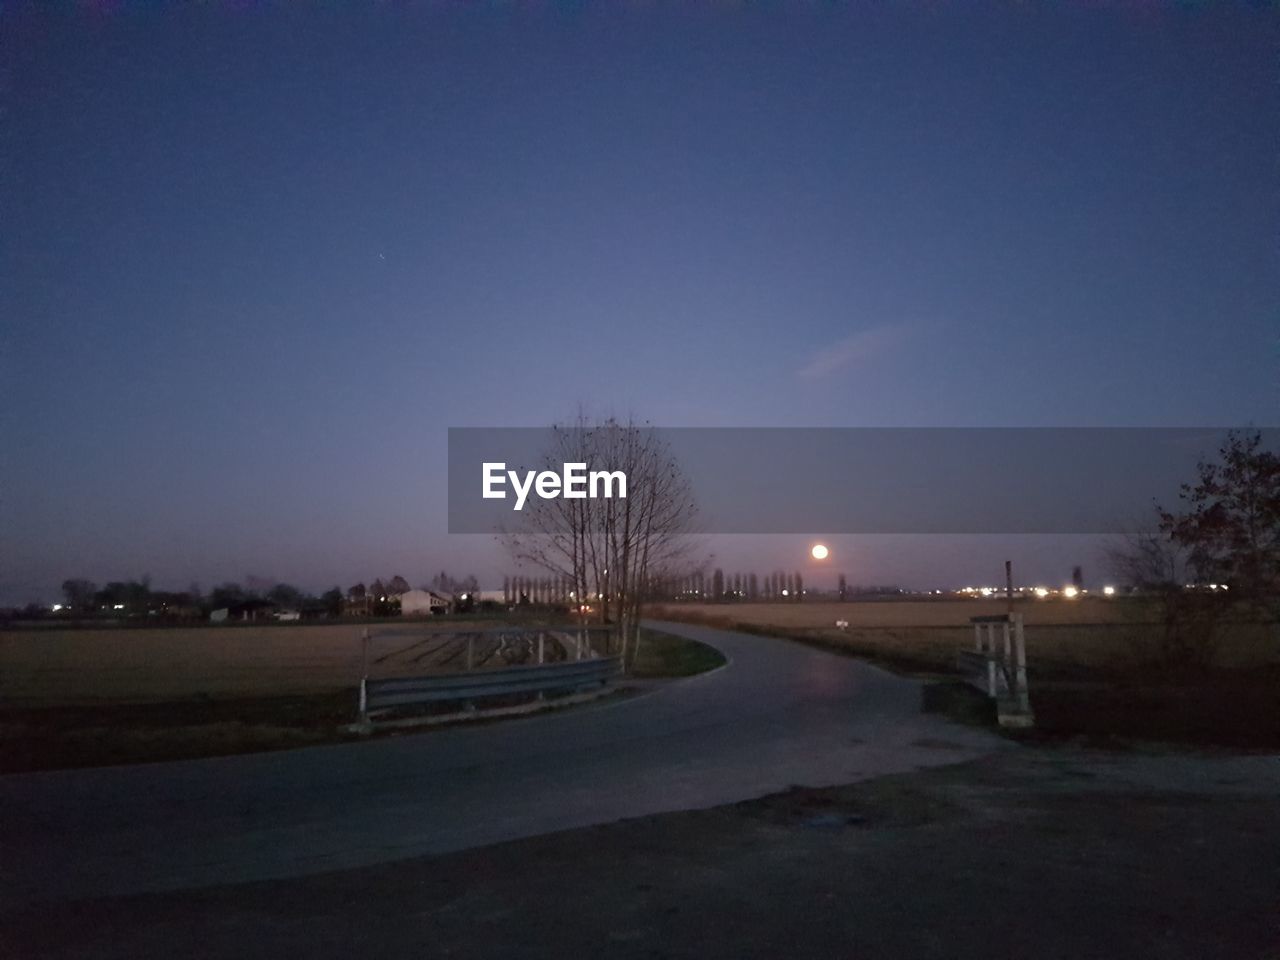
<point>882,480</point>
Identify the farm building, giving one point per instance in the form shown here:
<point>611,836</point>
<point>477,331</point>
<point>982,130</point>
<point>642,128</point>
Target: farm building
<point>417,603</point>
<point>248,610</point>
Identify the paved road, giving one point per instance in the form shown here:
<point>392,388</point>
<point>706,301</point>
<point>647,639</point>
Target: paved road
<point>779,714</point>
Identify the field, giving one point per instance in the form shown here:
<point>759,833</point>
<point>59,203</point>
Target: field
<point>117,695</point>
<point>1065,639</point>
<point>75,697</point>
<point>86,667</point>
<point>1097,668</point>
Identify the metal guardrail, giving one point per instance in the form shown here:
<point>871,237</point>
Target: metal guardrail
<point>378,696</point>
<point>1000,673</point>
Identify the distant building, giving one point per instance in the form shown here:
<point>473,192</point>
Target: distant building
<point>249,610</point>
<point>419,603</point>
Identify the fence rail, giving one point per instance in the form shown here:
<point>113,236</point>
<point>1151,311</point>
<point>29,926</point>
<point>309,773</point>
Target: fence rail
<point>999,669</point>
<point>432,652</point>
<point>568,676</point>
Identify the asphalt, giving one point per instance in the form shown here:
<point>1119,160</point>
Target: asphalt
<point>777,715</point>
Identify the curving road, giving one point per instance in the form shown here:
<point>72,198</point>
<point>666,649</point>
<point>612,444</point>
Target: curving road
<point>777,715</point>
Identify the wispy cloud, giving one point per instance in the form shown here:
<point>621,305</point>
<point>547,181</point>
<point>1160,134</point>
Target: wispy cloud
<point>868,344</point>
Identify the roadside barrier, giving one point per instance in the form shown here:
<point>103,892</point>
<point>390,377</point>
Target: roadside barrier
<point>997,665</point>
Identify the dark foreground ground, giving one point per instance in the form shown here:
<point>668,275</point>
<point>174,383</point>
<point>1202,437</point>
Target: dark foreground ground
<point>1031,853</point>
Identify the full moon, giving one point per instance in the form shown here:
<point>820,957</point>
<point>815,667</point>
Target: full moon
<point>819,552</point>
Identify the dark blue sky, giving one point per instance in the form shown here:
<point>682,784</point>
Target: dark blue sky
<point>255,260</point>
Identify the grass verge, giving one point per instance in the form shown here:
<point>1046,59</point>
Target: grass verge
<point>664,655</point>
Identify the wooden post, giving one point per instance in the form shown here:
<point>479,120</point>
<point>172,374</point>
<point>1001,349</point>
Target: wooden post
<point>977,638</point>
<point>1020,653</point>
<point>992,690</point>
<point>1008,585</point>
<point>364,674</point>
<point>542,641</point>
<point>1007,664</point>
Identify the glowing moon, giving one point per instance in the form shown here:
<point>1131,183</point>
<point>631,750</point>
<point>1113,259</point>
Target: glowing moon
<point>819,552</point>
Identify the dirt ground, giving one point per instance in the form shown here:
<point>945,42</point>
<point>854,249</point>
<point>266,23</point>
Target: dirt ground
<point>1032,853</point>
<point>48,667</point>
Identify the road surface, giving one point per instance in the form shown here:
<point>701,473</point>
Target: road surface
<point>779,714</point>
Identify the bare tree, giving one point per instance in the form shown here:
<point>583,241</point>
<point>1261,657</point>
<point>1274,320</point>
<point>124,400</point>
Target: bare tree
<point>1154,565</point>
<point>78,594</point>
<point>1220,552</point>
<point>1230,521</point>
<point>610,549</point>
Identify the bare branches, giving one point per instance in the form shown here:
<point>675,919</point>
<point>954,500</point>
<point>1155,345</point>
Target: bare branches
<point>610,549</point>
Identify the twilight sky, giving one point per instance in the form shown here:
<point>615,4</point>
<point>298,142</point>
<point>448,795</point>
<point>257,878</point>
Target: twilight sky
<point>255,260</point>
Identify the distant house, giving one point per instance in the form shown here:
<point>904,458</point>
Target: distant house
<point>358,606</point>
<point>419,603</point>
<point>248,610</point>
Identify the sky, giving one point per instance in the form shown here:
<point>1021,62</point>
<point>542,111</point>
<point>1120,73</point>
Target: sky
<point>256,258</point>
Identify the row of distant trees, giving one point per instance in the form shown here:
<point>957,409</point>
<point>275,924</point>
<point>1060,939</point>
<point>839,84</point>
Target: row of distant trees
<point>773,586</point>
<point>716,587</point>
<point>136,598</point>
